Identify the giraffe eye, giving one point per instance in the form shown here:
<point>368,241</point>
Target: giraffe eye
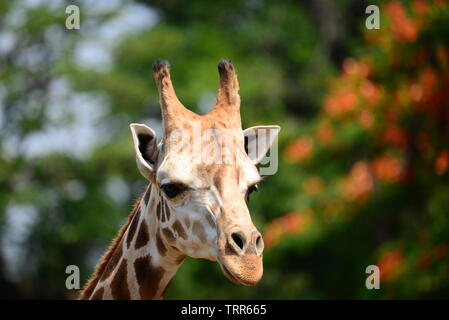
<point>253,188</point>
<point>171,190</point>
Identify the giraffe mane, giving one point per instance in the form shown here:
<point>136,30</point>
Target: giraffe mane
<point>93,281</point>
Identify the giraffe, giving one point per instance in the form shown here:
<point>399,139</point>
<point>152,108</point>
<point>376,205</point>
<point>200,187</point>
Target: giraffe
<point>189,208</point>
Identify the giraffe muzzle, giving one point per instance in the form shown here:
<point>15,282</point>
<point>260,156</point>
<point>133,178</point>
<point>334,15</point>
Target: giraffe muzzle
<point>240,256</point>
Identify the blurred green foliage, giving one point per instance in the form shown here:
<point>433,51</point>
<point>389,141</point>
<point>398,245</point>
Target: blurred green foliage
<point>364,143</point>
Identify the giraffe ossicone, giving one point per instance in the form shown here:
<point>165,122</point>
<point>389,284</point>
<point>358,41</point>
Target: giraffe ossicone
<point>200,176</point>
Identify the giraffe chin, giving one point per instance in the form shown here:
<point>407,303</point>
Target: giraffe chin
<point>246,270</point>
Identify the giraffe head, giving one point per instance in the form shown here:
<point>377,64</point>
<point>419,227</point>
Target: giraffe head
<point>204,168</point>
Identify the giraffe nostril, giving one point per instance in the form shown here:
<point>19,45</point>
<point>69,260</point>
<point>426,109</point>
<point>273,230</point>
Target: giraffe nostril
<point>238,240</point>
<point>259,243</point>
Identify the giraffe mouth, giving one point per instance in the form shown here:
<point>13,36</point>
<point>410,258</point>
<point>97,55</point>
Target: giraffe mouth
<point>242,278</point>
<point>229,275</point>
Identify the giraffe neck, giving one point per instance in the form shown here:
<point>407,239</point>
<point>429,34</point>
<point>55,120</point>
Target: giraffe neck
<point>139,264</point>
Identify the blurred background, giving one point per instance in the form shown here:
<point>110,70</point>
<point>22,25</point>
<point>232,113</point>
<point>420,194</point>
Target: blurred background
<point>364,147</point>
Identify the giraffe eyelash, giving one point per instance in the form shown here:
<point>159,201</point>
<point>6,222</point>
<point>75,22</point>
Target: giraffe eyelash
<point>251,189</point>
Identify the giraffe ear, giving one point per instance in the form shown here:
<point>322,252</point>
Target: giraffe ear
<point>145,145</point>
<point>258,140</point>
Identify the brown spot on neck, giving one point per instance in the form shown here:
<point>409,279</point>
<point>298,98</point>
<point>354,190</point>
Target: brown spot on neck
<point>148,277</point>
<point>119,285</point>
<point>143,236</point>
<point>98,294</point>
<point>113,262</point>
